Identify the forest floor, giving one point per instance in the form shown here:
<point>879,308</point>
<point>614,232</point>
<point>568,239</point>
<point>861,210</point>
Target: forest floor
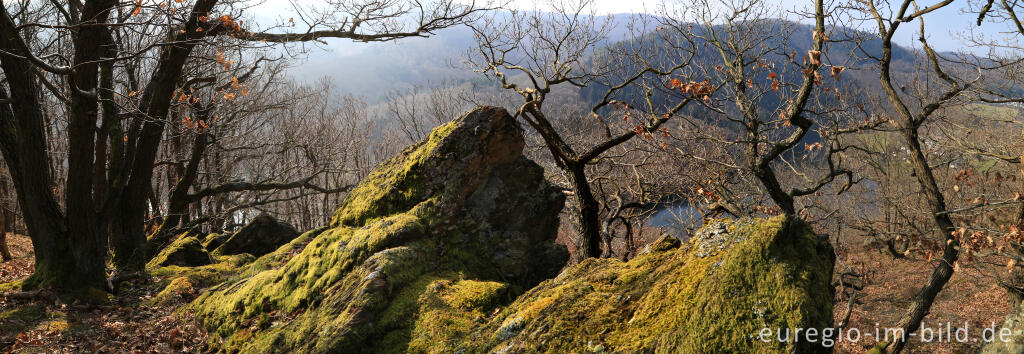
<point>971,296</point>
<point>41,323</point>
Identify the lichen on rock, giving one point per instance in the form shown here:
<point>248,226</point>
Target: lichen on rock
<point>452,227</point>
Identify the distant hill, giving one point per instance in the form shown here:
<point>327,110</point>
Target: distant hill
<point>372,69</point>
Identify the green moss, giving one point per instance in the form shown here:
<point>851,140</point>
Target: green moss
<point>11,286</point>
<point>88,289</point>
<point>22,318</point>
<point>417,254</point>
<point>710,294</point>
<point>426,254</point>
<point>395,187</point>
<point>187,250</point>
<point>472,294</point>
<point>179,289</point>
<point>214,240</point>
<point>713,295</point>
<point>33,317</point>
<point>449,311</point>
<point>177,283</point>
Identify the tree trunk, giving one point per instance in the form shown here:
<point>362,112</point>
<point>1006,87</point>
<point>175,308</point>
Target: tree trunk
<point>589,242</point>
<point>177,204</point>
<point>5,252</point>
<point>1019,217</point>
<point>65,258</point>
<point>84,227</point>
<point>944,270</point>
<point>129,234</point>
<point>127,239</point>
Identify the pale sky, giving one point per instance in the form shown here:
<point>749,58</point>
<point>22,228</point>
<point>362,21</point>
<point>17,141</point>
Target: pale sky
<point>944,26</point>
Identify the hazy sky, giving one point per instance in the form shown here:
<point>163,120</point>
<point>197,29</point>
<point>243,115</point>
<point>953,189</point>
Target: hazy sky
<point>945,27</point>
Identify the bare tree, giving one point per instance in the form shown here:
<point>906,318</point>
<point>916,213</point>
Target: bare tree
<point>537,55</point>
<point>955,81</point>
<point>770,92</point>
<point>6,221</point>
<point>113,132</point>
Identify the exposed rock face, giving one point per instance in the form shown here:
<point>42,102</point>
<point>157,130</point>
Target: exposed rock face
<point>186,251</point>
<point>448,248</point>
<point>460,220</point>
<point>713,294</point>
<point>1010,337</point>
<point>262,235</point>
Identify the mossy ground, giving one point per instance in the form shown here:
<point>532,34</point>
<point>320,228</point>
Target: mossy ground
<point>179,284</point>
<point>22,319</point>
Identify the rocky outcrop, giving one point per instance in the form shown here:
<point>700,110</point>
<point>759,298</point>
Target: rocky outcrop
<point>448,248</point>
<point>1010,337</point>
<point>460,220</point>
<point>715,293</point>
<point>262,235</point>
<point>186,251</point>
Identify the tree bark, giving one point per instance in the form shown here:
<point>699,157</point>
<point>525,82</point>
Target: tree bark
<point>589,222</point>
<point>5,222</point>
<point>83,220</point>
<point>909,130</point>
<point>177,204</point>
<point>944,270</point>
<point>128,230</point>
<point>66,257</point>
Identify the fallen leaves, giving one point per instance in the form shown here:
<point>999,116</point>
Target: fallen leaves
<point>123,326</point>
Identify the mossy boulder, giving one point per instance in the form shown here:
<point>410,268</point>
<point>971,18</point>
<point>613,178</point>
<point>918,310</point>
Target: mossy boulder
<point>420,251</point>
<point>712,294</point>
<point>214,240</point>
<point>179,284</point>
<point>262,235</point>
<point>186,251</point>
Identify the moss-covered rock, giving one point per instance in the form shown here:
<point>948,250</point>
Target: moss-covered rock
<point>414,259</point>
<point>262,235</point>
<point>180,284</point>
<point>713,294</point>
<point>214,240</point>
<point>442,248</point>
<point>186,251</point>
